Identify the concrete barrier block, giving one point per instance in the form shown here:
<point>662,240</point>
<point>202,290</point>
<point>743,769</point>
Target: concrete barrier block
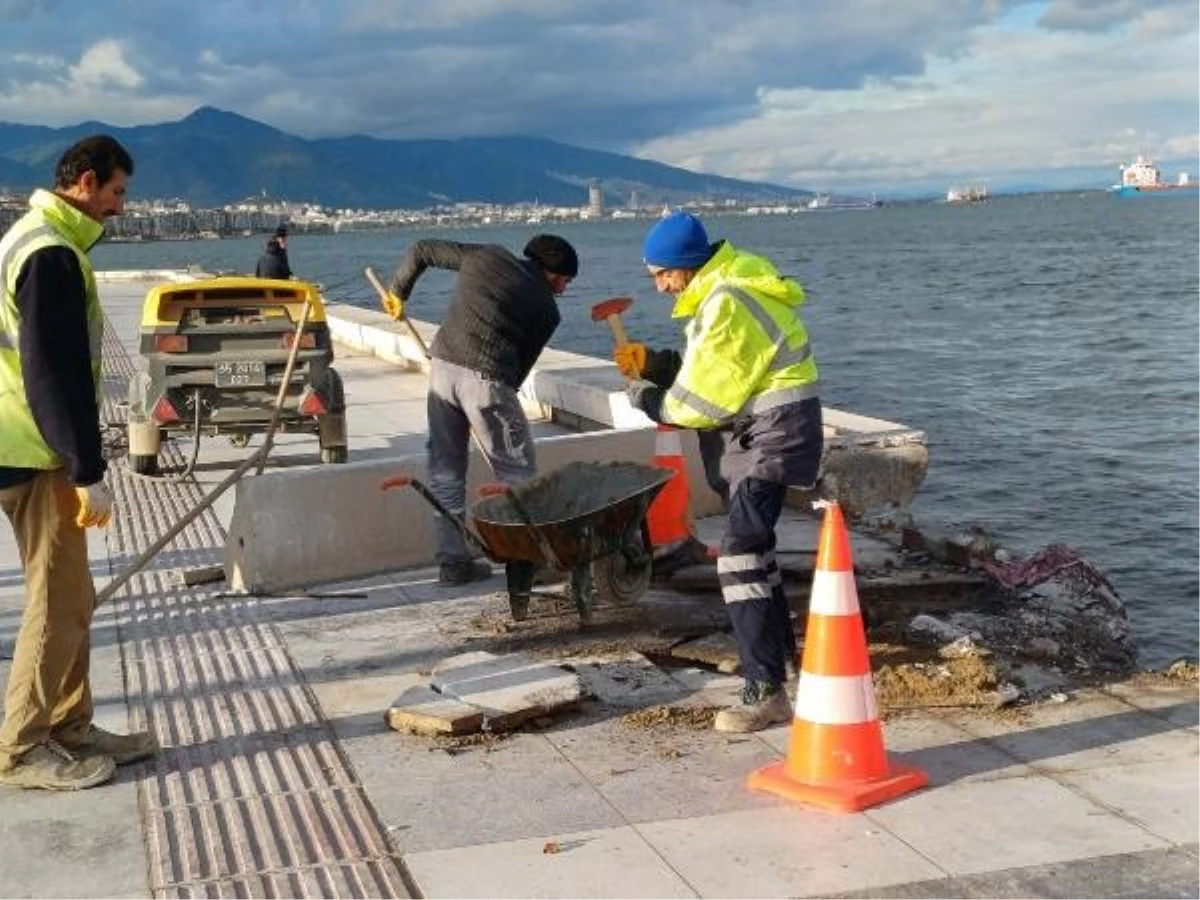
<point>304,526</point>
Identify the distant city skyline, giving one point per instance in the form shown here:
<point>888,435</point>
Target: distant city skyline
<point>856,97</point>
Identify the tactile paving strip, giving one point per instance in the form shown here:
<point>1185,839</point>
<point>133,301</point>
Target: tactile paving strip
<point>251,796</point>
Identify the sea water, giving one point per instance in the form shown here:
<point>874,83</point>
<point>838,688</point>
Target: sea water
<point>1046,344</point>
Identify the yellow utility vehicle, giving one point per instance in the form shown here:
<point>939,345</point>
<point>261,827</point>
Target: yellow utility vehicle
<point>214,354</point>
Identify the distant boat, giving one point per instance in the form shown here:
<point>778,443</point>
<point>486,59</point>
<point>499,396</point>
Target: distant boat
<point>1141,178</point>
<point>828,202</point>
<point>976,193</point>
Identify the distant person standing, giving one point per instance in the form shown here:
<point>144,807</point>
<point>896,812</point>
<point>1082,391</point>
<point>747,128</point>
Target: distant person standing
<point>748,369</point>
<point>52,470</point>
<point>502,315</point>
<point>274,261</point>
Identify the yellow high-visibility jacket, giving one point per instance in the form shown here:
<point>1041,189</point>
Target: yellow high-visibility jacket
<point>51,221</point>
<point>748,366</point>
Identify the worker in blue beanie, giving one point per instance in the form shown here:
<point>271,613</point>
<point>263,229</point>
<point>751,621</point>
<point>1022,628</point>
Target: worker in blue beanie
<point>749,372</point>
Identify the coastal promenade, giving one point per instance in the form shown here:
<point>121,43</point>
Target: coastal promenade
<point>280,777</point>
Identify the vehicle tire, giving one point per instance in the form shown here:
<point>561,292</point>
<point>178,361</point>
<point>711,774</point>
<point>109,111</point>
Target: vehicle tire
<point>335,454</point>
<point>331,427</point>
<point>618,580</point>
<point>142,464</point>
<point>336,391</point>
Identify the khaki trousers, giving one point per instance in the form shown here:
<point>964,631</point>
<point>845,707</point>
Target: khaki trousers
<point>48,689</point>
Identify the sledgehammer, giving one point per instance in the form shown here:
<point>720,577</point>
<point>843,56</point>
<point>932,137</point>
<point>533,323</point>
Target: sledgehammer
<point>610,310</point>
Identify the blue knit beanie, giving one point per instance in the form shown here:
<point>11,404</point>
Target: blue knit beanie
<point>678,241</point>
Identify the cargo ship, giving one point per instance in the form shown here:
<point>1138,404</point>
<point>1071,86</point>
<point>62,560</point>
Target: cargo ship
<point>1142,178</point>
<point>976,193</point>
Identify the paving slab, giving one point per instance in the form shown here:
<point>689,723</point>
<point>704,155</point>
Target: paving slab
<point>1027,820</point>
<point>422,710</point>
<point>508,689</point>
<point>612,862</point>
<point>783,852</point>
<point>1090,731</point>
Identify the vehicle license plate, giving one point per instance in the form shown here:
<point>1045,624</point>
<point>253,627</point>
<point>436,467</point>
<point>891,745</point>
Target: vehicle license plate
<point>240,374</point>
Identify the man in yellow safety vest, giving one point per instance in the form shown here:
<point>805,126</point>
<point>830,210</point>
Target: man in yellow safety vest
<point>52,470</point>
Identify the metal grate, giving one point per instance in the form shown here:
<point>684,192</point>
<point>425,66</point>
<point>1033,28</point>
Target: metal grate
<point>251,796</point>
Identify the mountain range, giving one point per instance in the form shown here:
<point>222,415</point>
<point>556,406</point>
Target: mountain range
<point>212,157</point>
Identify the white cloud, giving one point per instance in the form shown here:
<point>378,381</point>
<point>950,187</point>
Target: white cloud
<point>103,65</point>
<point>858,93</point>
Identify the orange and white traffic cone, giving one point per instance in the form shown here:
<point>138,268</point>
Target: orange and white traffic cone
<point>670,525</point>
<point>668,514</point>
<point>836,758</point>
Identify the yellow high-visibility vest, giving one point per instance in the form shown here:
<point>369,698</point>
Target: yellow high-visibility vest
<point>50,222</point>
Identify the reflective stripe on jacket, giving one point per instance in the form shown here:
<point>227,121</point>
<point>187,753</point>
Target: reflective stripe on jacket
<point>747,350</point>
<point>51,221</point>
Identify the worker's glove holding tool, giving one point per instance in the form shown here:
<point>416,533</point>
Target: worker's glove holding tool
<point>631,360</point>
<point>393,305</point>
<point>95,503</point>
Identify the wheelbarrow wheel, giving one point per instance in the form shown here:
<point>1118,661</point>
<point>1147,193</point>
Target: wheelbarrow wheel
<point>618,580</point>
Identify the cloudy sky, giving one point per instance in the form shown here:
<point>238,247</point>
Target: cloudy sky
<point>855,95</point>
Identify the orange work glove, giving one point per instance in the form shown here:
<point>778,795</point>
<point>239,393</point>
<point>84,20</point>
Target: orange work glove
<point>631,359</point>
<point>393,305</point>
<point>95,505</point>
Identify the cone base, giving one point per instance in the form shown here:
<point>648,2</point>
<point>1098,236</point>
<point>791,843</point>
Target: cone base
<point>847,796</point>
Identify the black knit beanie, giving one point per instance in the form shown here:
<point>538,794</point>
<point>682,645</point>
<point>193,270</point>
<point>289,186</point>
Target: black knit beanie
<point>553,254</point>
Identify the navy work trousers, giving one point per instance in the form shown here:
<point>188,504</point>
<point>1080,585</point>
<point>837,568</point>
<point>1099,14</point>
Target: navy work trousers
<point>750,581</point>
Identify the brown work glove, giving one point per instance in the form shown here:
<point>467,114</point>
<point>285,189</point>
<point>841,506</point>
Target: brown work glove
<point>631,360</point>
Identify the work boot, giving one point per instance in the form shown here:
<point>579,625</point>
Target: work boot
<point>671,558</point>
<point>763,704</point>
<point>463,571</point>
<point>123,748</point>
<point>51,767</point>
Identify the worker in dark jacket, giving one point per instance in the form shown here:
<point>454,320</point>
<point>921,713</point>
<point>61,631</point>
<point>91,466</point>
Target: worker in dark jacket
<point>502,315</point>
<point>748,368</point>
<point>274,261</point>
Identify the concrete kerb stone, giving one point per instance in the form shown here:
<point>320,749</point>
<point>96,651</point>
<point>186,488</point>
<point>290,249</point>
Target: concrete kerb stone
<point>375,333</point>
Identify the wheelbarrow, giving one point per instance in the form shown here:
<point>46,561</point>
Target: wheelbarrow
<point>587,518</point>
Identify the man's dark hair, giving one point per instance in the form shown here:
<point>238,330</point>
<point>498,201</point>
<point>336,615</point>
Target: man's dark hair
<point>99,153</point>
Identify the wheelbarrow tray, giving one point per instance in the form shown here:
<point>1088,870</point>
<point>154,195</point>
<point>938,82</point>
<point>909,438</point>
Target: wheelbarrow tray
<point>583,511</point>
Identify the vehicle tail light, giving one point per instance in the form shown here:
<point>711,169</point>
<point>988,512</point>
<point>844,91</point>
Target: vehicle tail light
<point>311,404</point>
<point>308,340</point>
<point>171,343</point>
<point>164,411</point>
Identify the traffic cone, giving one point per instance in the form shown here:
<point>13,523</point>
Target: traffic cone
<point>836,759</point>
<point>668,514</point>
